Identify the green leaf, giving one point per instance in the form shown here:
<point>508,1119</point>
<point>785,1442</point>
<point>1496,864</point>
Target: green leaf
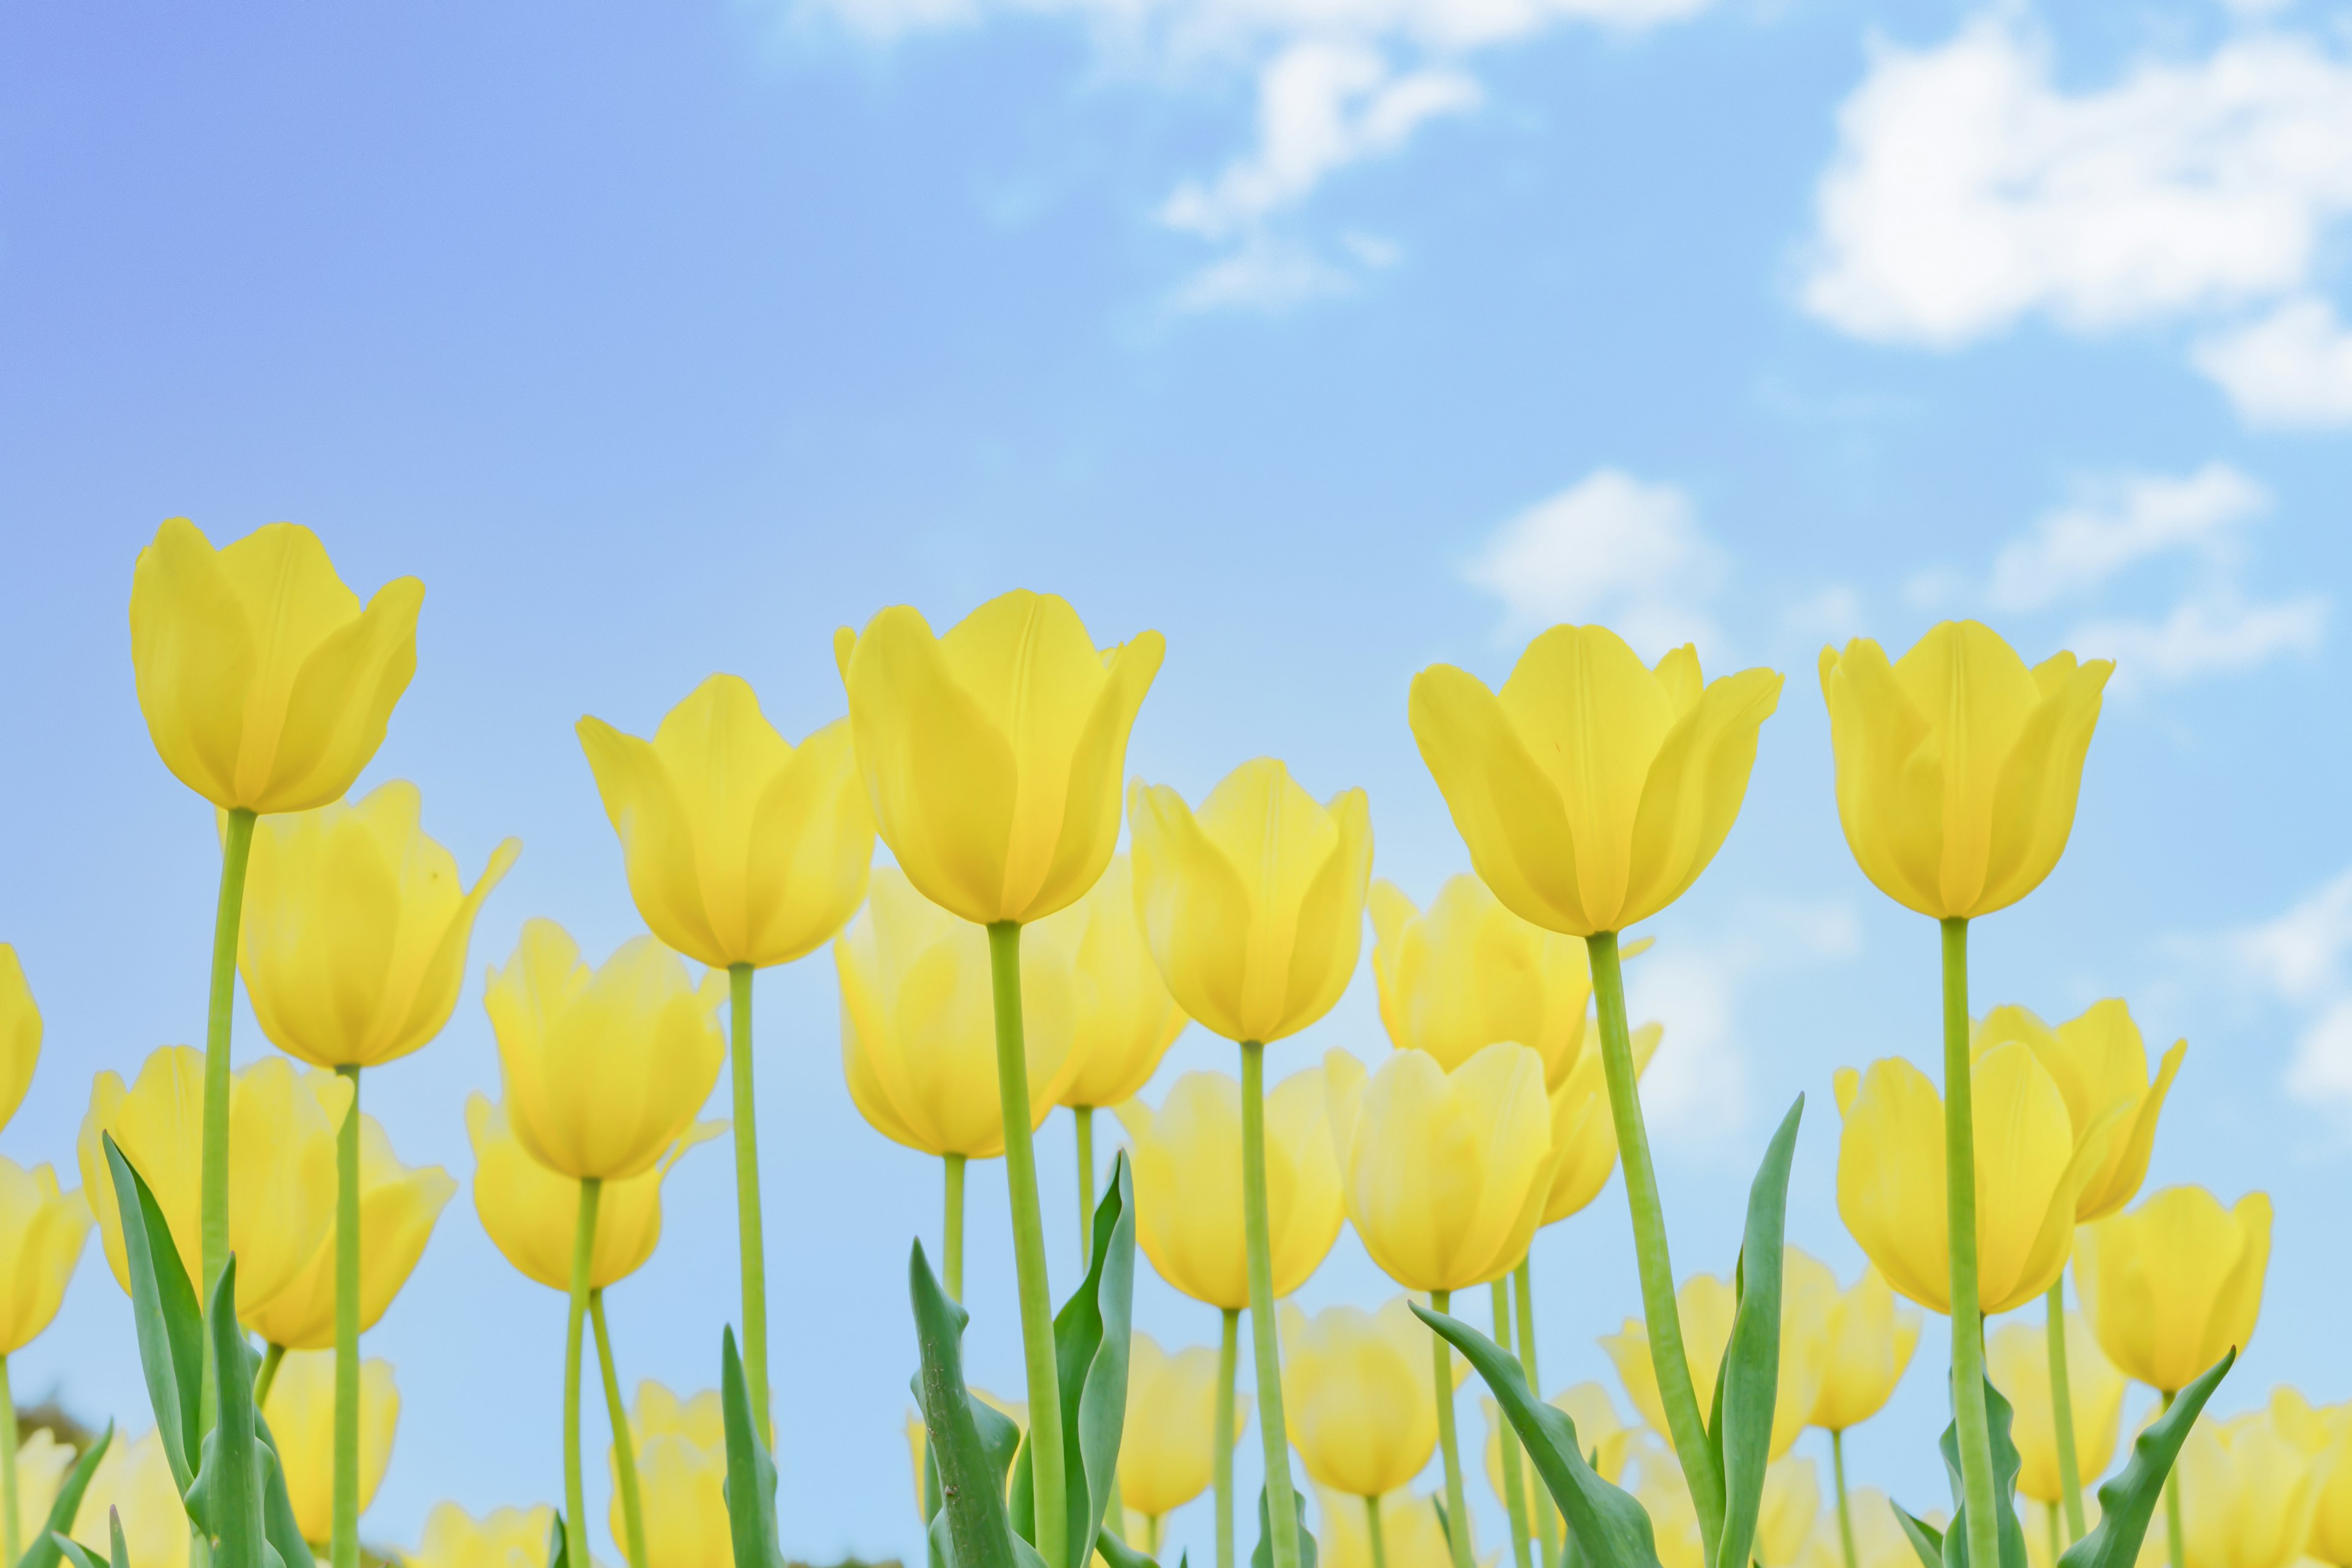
<point>163,1307</point>
<point>118,1553</point>
<point>1606,1525</point>
<point>2128,1502</point>
<point>750,1485</point>
<point>1925,1538</point>
<point>559,1543</point>
<point>226,1497</point>
<point>1090,1343</point>
<point>75,1552</point>
<point>1119,1555</point>
<point>278,1525</point>
<point>44,1553</point>
<point>2010,1534</point>
<point>978,1535</point>
<point>1749,1385</point>
<point>1262,1554</point>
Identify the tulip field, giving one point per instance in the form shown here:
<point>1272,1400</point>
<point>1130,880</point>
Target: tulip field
<point>1018,926</point>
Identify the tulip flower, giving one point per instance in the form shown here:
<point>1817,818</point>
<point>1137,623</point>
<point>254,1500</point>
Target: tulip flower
<point>681,1465</point>
<point>503,1538</point>
<point>1792,1502</point>
<point>2325,1438</point>
<point>2017,1358</point>
<point>1665,1495</point>
<point>134,1482</point>
<point>1469,973</point>
<point>1865,1343</point>
<point>1169,1443</point>
<point>20,1033</point>
<point>1707,1304</point>
<point>398,1206</point>
<point>42,1463</point>
<point>2247,1495</point>
<point>531,1213</point>
<point>41,1232</point>
<point>1401,1529</point>
<point>1356,1386</point>
<point>300,1408</point>
<point>2172,1285</point>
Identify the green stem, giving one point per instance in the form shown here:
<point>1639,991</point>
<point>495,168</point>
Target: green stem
<point>2172,1531</point>
<point>747,1200</point>
<point>1846,1514</point>
<point>1083,1117</point>
<point>1228,1360</point>
<point>1661,1315</point>
<point>237,848</point>
<point>583,1247</point>
<point>1515,1497</point>
<point>1373,1532</point>
<point>1960,1212</point>
<point>271,1359</point>
<point>1151,1536</point>
<point>2057,1539</point>
<point>624,1445</point>
<point>346,1542</point>
<point>1547,1520</point>
<point>2062,1410</point>
<point>10,1535</point>
<point>1045,1469</point>
<point>1457,1517</point>
<point>1282,1512</point>
<point>951,1251</point>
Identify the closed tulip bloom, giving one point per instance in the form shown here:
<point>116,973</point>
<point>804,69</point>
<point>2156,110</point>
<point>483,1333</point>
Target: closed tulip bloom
<point>300,1408</point>
<point>1409,1529</point>
<point>1446,1174</point>
<point>265,685</point>
<point>1866,1339</point>
<point>353,940</point>
<point>1708,1305</point>
<point>1188,1183</point>
<point>502,1538</point>
<point>1583,1133</point>
<point>2101,1068</point>
<point>992,756</point>
<point>20,1033</point>
<point>681,1449</point>
<point>605,1068</point>
<point>1168,1447</point>
<point>2173,1284</point>
<point>1254,907</point>
<point>2247,1494</point>
<point>1469,971</point>
<point>282,1167</point>
<point>1122,1020</point>
<point>41,1233</point>
<point>2030,1170</point>
<point>531,1213</point>
<point>398,1206</point>
<point>1957,766</point>
<point>2017,1359</point>
<point>740,846</point>
<point>1356,1393</point>
<point>1591,790</point>
<point>133,1480</point>
<point>918,1023</point>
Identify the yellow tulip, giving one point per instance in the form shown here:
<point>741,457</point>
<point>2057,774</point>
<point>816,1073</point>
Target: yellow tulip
<point>2174,1283</point>
<point>1591,790</point>
<point>300,1408</point>
<point>398,1206</point>
<point>20,1033</point>
<point>1957,766</point>
<point>1357,1396</point>
<point>2100,1067</point>
<point>2030,1169</point>
<point>1584,1132</point>
<point>2247,1494</point>
<point>1254,908</point>
<point>605,1068</point>
<point>41,1465</point>
<point>1168,1444</point>
<point>992,756</point>
<point>681,1450</point>
<point>264,683</point>
<point>530,1212</point>
<point>282,1167</point>
<point>503,1538</point>
<point>1446,1174</point>
<point>1878,1539</point>
<point>1188,1183</point>
<point>134,1480</point>
<point>2017,1359</point>
<point>1792,1502</point>
<point>1706,1306</point>
<point>1606,1442</point>
<point>1665,1497</point>
<point>1469,973</point>
<point>2325,1437</point>
<point>1867,1339</point>
<point>41,1233</point>
<point>740,846</point>
<point>1409,1529</point>
<point>1122,1018</point>
<point>919,1022</point>
<point>353,942</point>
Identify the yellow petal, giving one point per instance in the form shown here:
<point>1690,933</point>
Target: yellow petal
<point>1693,790</point>
<point>1503,806</point>
<point>20,1033</point>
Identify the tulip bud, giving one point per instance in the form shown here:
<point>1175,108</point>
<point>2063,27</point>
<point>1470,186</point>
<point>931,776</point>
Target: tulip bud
<point>1357,1396</point>
<point>681,1450</point>
<point>1122,1018</point>
<point>2098,1064</point>
<point>1469,973</point>
<point>398,1206</point>
<point>41,1233</point>
<point>20,1033</point>
<point>532,1212</point>
<point>354,940</point>
<point>1168,1449</point>
<point>264,684</point>
<point>503,1538</point>
<point>2175,1283</point>
<point>2017,1359</point>
<point>1866,1339</point>
<point>300,1408</point>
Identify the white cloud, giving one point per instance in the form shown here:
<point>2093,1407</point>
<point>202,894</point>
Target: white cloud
<point>1265,273</point>
<point>2074,550</point>
<point>1610,548</point>
<point>2291,369</point>
<point>2212,632</point>
<point>2300,957</point>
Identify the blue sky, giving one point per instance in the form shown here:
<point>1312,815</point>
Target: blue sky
<point>1330,339</point>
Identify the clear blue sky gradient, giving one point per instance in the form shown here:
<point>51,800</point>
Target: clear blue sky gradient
<point>664,340</point>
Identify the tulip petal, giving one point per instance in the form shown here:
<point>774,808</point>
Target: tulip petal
<point>193,658</point>
<point>2033,808</point>
<point>1893,820</point>
<point>340,703</point>
<point>1505,808</point>
<point>1693,790</point>
<point>1195,912</point>
<point>1089,827</point>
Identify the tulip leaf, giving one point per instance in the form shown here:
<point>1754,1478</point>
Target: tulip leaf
<point>750,1485</point>
<point>74,1551</point>
<point>1262,1554</point>
<point>278,1525</point>
<point>44,1551</point>
<point>118,1550</point>
<point>1607,1526</point>
<point>164,1310</point>
<point>118,1555</point>
<point>977,1533</point>
<point>2010,1534</point>
<point>1925,1538</point>
<point>559,1543</point>
<point>1090,1350</point>
<point>1118,1554</point>
<point>1750,1383</point>
<point>226,1496</point>
<point>2128,1502</point>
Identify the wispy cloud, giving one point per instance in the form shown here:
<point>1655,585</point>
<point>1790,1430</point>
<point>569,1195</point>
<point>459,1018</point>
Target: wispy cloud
<point>1609,548</point>
<point>2073,551</point>
<point>2300,958</point>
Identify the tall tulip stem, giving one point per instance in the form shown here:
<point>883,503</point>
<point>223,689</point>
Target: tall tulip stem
<point>1845,1514</point>
<point>1045,1469</point>
<point>749,1236</point>
<point>1661,1315</point>
<point>11,1539</point>
<point>1372,1532</point>
<point>237,850</point>
<point>1229,1355</point>
<point>952,1241</point>
<point>1523,1282</point>
<point>1457,1515</point>
<point>2172,1531</point>
<point>624,1445</point>
<point>2062,1410</point>
<point>583,1249</point>
<point>1960,1212</point>
<point>1082,1118</point>
<point>346,1544</point>
<point>1515,1496</point>
<point>1282,1514</point>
